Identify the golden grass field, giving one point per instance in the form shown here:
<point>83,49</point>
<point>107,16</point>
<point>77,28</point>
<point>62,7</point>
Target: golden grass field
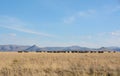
<point>59,64</point>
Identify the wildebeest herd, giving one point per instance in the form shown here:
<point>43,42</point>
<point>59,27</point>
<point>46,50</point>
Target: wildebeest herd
<point>69,51</point>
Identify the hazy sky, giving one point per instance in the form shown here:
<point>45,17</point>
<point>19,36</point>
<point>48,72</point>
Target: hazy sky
<point>90,23</point>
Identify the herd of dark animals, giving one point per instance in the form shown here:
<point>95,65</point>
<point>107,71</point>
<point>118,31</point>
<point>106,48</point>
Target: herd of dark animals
<point>69,51</point>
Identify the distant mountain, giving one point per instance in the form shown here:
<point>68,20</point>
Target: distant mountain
<point>104,49</point>
<point>77,48</point>
<point>53,48</point>
<point>70,48</point>
<point>33,48</point>
<point>109,49</point>
<point>12,47</point>
<point>36,48</point>
<point>73,48</point>
<point>114,48</point>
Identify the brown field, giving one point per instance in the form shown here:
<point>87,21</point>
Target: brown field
<point>59,64</point>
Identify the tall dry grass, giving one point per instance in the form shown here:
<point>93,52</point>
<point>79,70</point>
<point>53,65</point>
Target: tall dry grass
<point>66,64</point>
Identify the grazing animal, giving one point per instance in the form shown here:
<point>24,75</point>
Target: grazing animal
<point>20,51</point>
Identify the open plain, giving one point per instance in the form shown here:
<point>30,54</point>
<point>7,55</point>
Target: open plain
<point>59,64</point>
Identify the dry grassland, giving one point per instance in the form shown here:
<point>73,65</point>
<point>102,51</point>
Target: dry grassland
<point>62,64</point>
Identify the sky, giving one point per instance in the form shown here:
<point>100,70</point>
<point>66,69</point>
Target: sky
<point>86,23</point>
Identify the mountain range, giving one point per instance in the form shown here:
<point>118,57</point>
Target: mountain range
<point>70,48</point>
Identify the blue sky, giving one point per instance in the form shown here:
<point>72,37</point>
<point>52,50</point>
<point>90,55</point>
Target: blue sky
<point>90,23</point>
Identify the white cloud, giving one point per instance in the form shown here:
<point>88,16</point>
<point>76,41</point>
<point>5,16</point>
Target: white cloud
<point>108,9</point>
<point>69,20</point>
<point>27,31</point>
<point>115,33</point>
<point>18,25</point>
<point>12,34</point>
<point>86,13</point>
<point>91,12</point>
<point>82,14</point>
<point>109,38</point>
<point>78,15</point>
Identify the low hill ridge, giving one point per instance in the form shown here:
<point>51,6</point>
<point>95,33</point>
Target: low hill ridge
<point>37,48</point>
